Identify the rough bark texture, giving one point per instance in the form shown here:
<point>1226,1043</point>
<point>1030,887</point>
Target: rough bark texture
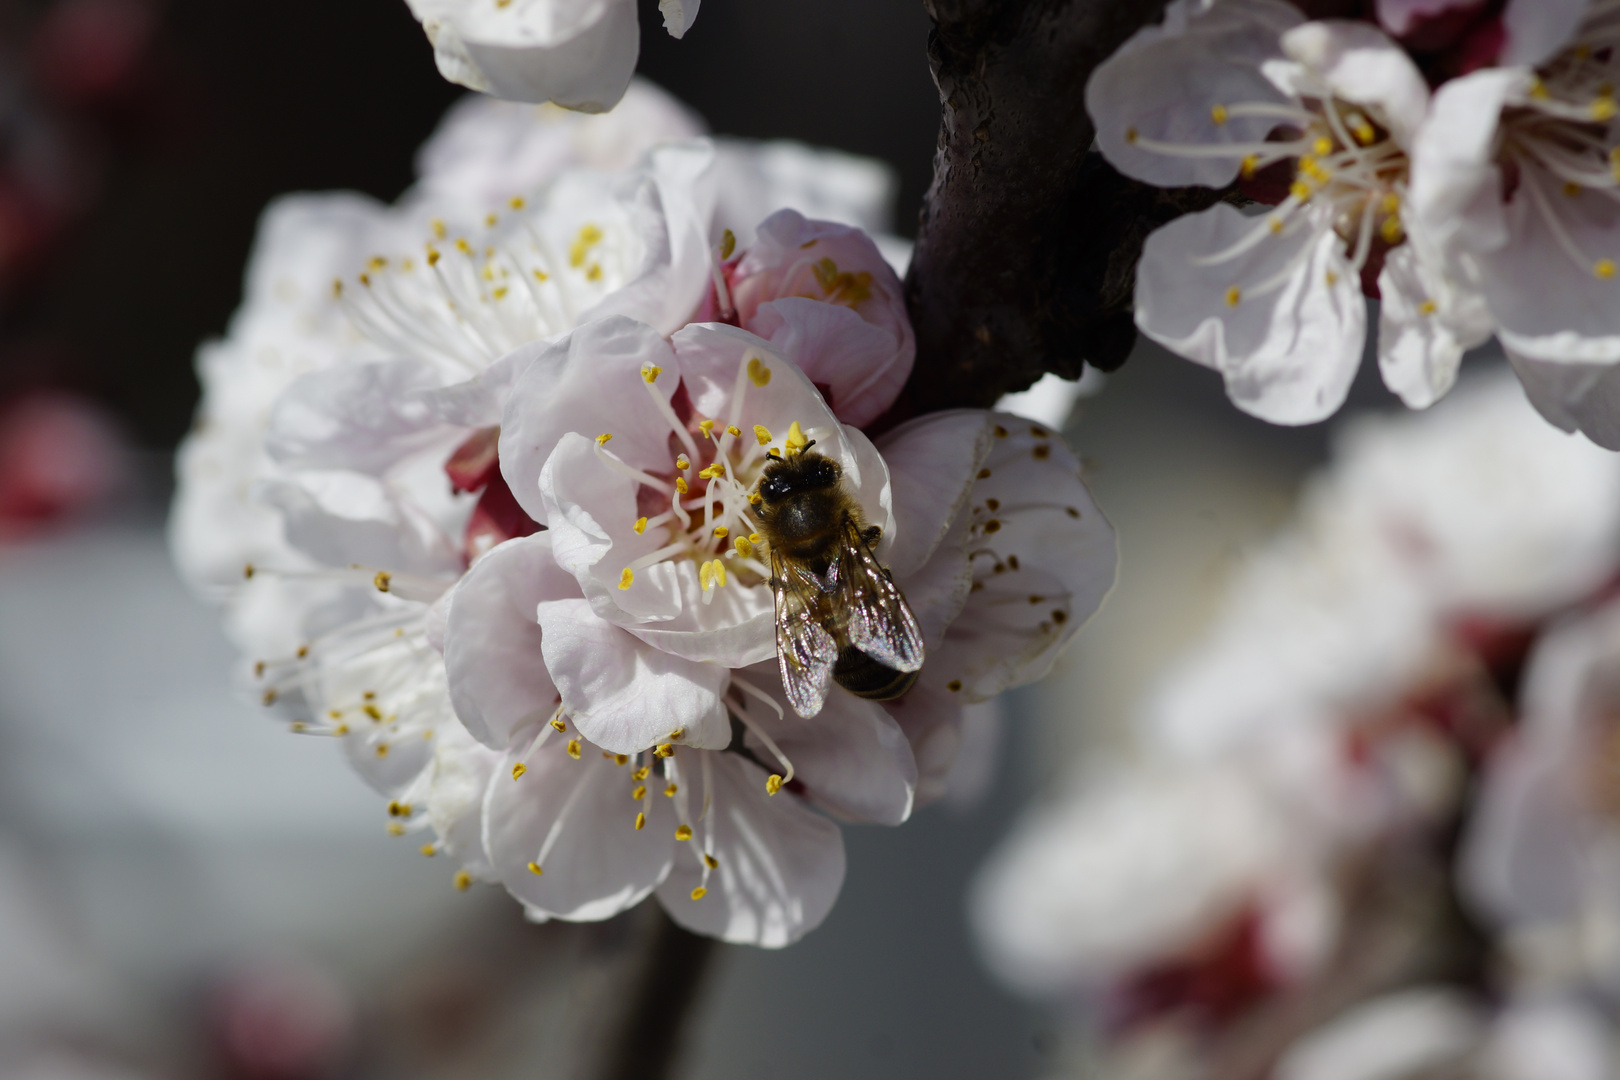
<point>1027,246</point>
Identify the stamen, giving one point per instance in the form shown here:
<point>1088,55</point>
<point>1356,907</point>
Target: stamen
<point>774,783</point>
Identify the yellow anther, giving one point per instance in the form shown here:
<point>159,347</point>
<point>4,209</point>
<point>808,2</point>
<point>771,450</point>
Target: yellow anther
<point>381,580</point>
<point>248,572</point>
<point>500,292</point>
<point>534,868</point>
<point>1233,296</point>
<point>559,725</point>
<point>627,576</point>
<point>395,829</point>
<point>1391,230</point>
<point>429,850</point>
<point>1276,224</point>
<point>1250,164</point>
<point>641,822</point>
<point>712,575</point>
<point>375,263</point>
<point>594,272</point>
<point>372,711</point>
<point>1300,190</point>
<point>641,525</point>
<point>641,773</point>
<point>433,256</point>
<point>1330,277</point>
<point>639,793</point>
<point>515,202</point>
<point>755,497</point>
<point>743,548</point>
<point>270,697</point>
<point>365,279</point>
<point>341,729</point>
<point>602,439</point>
<point>728,244</point>
<point>297,726</point>
<point>712,472</point>
<point>1323,146</point>
<point>1390,203</point>
<point>518,770</point>
<point>683,833</point>
<point>573,749</point>
<point>671,790</point>
<point>954,686</point>
<point>675,736</point>
<point>1538,90</point>
<point>680,485</point>
<point>462,881</point>
<point>721,531</point>
<point>683,463</point>
<point>620,759</point>
<point>541,276</point>
<point>663,750</point>
<point>490,220</point>
<point>710,861</point>
<point>1571,188</point>
<point>1604,268</point>
<point>1428,307</point>
<point>1130,135</point>
<point>382,750</point>
<point>707,427</point>
<point>762,433</point>
<point>773,784</point>
<point>795,440</point>
<point>650,373</point>
<point>755,538</point>
<point>463,247</point>
<point>1218,114</point>
<point>772,452</point>
<point>588,238</point>
<point>437,225</point>
<point>337,288</point>
<point>699,893</point>
<point>758,373</point>
<point>1602,108</point>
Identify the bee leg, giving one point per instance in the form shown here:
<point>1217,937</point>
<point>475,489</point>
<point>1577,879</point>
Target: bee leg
<point>871,534</point>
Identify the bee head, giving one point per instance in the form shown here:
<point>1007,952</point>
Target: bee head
<point>805,471</point>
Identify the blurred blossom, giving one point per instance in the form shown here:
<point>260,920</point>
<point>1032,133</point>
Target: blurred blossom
<point>60,457</point>
<point>504,431</point>
<point>1322,744</point>
<point>281,1019</point>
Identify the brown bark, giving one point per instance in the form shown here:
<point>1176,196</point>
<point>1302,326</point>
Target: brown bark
<point>1027,245</point>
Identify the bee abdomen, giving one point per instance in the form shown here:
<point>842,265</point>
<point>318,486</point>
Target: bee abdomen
<point>865,677</point>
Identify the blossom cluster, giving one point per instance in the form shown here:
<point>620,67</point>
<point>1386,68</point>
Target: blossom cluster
<point>476,476</point>
<point>1455,160</point>
<point>1429,651</point>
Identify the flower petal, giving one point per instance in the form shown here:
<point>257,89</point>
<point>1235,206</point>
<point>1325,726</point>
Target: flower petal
<point>1356,62</point>
<point>1424,326</point>
<point>1536,29</point>
<point>589,382</point>
<point>932,464</point>
<point>573,819</point>
<point>625,695</point>
<point>780,864</point>
<point>1165,81</point>
<point>492,644</point>
<point>364,417</point>
<point>1288,354</point>
<point>1574,397</point>
<point>462,769</point>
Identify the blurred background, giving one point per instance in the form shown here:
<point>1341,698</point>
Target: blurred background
<point>187,892</point>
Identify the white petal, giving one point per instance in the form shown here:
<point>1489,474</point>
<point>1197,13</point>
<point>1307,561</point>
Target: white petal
<point>492,646</point>
<point>933,461</point>
<point>625,695</point>
<point>1536,29</point>
<point>931,718</point>
<point>1455,199</point>
<point>1400,16</point>
<point>462,769</point>
<point>589,382</point>
<point>1424,327</point>
<point>355,416</point>
<point>859,366</point>
<point>781,865</point>
<point>599,863</point>
<point>1574,397</point>
<point>760,178</point>
<point>346,518</point>
<point>678,15</point>
<point>1164,82</point>
<point>1358,64</point>
<point>1288,355</point>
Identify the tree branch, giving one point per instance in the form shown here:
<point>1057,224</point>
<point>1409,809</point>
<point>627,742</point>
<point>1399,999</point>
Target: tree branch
<point>657,1009</point>
<point>1027,245</point>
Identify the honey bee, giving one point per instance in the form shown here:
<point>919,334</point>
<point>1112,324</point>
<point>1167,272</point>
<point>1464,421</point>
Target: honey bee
<point>839,616</point>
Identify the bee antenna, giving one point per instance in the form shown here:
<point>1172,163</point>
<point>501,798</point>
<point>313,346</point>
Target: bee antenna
<point>807,446</point>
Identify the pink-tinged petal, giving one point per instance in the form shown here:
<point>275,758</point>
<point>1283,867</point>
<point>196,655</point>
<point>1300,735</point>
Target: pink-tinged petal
<point>822,261</point>
<point>575,821</point>
<point>1289,353</point>
<point>479,401</point>
<point>1537,29</point>
<point>1425,324</point>
<point>1574,397</point>
<point>625,695</point>
<point>1401,16</point>
<point>589,382</point>
<point>1359,64</point>
<point>346,518</point>
<point>851,758</point>
<point>781,865</point>
<point>1043,557</point>
<point>937,591</point>
<point>932,464</point>
<point>591,506</point>
<point>461,772</point>
<point>715,361</point>
<point>364,417</point>
<point>579,54</point>
<point>492,643</point>
<point>931,718</point>
<point>1552,303</point>
<point>1164,83</point>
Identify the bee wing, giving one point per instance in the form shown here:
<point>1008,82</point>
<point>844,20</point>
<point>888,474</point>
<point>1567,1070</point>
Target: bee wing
<point>805,651</point>
<point>879,621</point>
